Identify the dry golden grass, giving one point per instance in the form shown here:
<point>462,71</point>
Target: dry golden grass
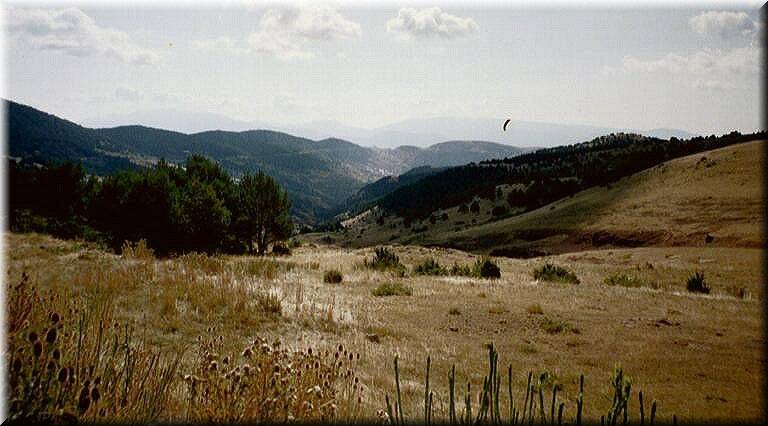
<point>666,339</point>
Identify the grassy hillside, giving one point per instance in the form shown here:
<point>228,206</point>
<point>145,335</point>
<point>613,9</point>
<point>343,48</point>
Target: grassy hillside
<point>678,203</point>
<point>546,175</point>
<point>227,309</point>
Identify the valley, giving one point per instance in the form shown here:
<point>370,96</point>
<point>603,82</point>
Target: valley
<point>621,252</point>
<point>633,248</point>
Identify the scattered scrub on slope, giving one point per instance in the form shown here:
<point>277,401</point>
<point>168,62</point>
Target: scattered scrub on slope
<point>554,273</point>
<point>392,289</point>
<point>385,259</point>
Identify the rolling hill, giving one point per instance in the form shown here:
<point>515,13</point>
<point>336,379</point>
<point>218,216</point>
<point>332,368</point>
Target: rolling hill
<point>318,175</point>
<point>709,198</point>
<point>421,132</point>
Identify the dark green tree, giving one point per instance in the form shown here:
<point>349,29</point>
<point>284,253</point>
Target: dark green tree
<point>203,217</point>
<point>263,215</point>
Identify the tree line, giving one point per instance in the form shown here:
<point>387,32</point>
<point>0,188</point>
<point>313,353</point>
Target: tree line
<point>548,174</point>
<point>195,206</point>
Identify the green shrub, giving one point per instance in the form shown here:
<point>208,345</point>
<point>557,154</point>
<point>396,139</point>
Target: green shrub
<point>429,267</point>
<point>554,273</point>
<point>460,270</point>
<point>697,284</point>
<point>624,280</point>
<point>385,259</point>
<point>392,289</point>
<point>332,276</point>
<point>486,268</point>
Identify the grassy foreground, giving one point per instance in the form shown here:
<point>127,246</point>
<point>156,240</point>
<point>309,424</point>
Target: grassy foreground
<point>196,338</point>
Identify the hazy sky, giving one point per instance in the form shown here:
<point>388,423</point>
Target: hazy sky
<point>692,69</point>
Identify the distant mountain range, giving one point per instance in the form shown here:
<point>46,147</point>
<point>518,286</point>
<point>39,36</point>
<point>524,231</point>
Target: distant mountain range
<point>319,175</point>
<point>421,132</point>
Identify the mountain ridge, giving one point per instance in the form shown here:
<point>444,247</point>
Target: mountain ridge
<point>422,132</point>
<point>318,174</point>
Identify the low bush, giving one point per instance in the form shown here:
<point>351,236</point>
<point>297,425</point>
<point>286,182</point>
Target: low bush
<point>280,249</point>
<point>429,267</point>
<point>385,259</point>
<point>392,289</point>
<point>332,276</point>
<point>460,270</point>
<point>623,280</point>
<point>554,273</point>
<point>486,268</point>
<point>697,284</point>
<point>556,326</point>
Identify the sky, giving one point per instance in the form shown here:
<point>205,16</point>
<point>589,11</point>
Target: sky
<point>696,69</point>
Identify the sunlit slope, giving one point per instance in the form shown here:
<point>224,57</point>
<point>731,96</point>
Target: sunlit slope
<point>717,193</point>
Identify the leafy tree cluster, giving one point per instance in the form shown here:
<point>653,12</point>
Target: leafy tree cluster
<point>547,174</point>
<point>197,206</point>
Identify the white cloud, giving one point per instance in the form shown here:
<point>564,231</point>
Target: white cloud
<point>710,68</point>
<point>723,25</point>
<point>744,60</point>
<point>72,32</point>
<point>287,34</point>
<point>430,22</point>
<point>318,23</point>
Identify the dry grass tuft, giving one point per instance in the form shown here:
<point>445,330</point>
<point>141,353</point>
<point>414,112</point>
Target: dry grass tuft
<point>392,289</point>
<point>534,309</point>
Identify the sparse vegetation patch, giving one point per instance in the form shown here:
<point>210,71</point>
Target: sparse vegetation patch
<point>554,273</point>
<point>555,326</point>
<point>384,259</point>
<point>535,309</point>
<point>392,289</point>
<point>624,280</point>
<point>332,276</point>
<point>429,267</point>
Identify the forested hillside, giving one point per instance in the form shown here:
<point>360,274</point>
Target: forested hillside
<point>546,175</point>
<point>318,175</point>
